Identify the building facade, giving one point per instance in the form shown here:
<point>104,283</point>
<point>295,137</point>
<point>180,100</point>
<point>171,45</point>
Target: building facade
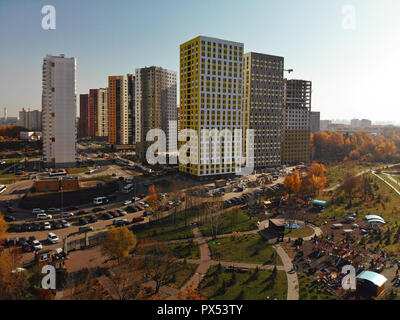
<point>155,106</point>
<point>315,121</point>
<point>121,99</point>
<point>83,115</point>
<point>263,107</point>
<point>59,110</point>
<point>31,120</point>
<point>211,81</point>
<point>296,136</point>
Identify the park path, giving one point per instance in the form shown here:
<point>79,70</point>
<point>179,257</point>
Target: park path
<point>391,186</point>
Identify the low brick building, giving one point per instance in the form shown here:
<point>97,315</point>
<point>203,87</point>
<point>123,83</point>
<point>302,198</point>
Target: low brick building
<point>55,184</point>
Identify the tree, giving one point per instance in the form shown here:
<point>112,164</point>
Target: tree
<point>3,228</point>
<point>118,243</point>
<point>159,268</point>
<point>191,293</point>
<point>153,202</point>
<point>293,182</point>
<point>12,282</point>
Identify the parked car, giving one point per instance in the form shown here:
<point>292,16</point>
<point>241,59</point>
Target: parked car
<point>82,212</point>
<point>130,209</point>
<point>36,244</point>
<point>21,240</point>
<point>107,216</point>
<point>72,208</point>
<point>93,218</point>
<point>9,218</point>
<point>53,210</point>
<point>47,226</point>
<point>37,211</point>
<point>11,210</point>
<point>98,209</point>
<point>137,219</point>
<point>43,216</point>
<point>57,225</point>
<point>83,221</point>
<point>28,226</point>
<point>85,229</point>
<point>120,222</point>
<point>67,214</point>
<point>135,199</point>
<point>126,202</point>
<point>122,212</point>
<point>147,213</point>
<point>26,247</point>
<point>65,223</point>
<point>52,237</point>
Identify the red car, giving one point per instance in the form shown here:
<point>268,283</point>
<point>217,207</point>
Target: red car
<point>134,220</point>
<point>82,212</point>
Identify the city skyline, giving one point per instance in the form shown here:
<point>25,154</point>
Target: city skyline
<point>358,64</point>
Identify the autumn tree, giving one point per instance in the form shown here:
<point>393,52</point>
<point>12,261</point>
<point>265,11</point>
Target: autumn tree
<point>153,202</point>
<point>292,183</point>
<point>3,228</point>
<point>12,282</point>
<point>118,243</point>
<point>191,293</point>
<point>160,268</point>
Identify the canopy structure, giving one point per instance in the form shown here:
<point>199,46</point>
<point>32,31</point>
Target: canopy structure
<point>376,278</point>
<point>373,218</point>
<point>320,203</point>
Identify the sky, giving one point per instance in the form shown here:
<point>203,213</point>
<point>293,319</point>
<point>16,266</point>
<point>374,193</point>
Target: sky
<point>349,49</point>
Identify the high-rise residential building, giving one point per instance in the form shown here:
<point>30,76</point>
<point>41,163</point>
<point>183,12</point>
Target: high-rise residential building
<point>366,123</point>
<point>325,124</point>
<point>83,115</point>
<point>59,110</point>
<point>155,106</point>
<point>263,106</point>
<point>121,102</point>
<point>355,123</point>
<point>296,136</point>
<point>211,75</point>
<point>315,117</point>
<point>31,120</point>
<point>101,106</point>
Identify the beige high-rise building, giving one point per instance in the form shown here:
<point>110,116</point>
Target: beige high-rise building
<point>296,138</point>
<point>155,106</point>
<point>263,106</point>
<point>101,106</point>
<point>121,99</point>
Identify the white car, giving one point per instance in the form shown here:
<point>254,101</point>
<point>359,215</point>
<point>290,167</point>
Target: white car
<point>67,214</point>
<point>47,226</point>
<point>43,216</point>
<point>37,245</point>
<point>126,202</point>
<point>52,237</point>
<point>135,199</point>
<point>37,210</point>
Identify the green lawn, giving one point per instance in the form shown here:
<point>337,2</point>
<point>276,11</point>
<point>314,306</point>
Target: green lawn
<point>183,274</point>
<point>236,220</point>
<point>10,178</point>
<point>186,250</point>
<point>223,285</point>
<point>165,229</point>
<point>249,248</point>
<point>310,289</point>
<point>299,233</point>
<point>335,174</point>
<point>77,170</point>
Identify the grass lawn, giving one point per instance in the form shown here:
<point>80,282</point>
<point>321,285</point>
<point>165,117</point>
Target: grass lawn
<point>182,275</point>
<point>236,220</point>
<point>105,179</point>
<point>77,170</point>
<point>186,250</point>
<point>310,289</point>
<point>250,248</point>
<point>165,229</point>
<point>10,178</point>
<point>335,174</point>
<point>299,233</point>
<point>262,285</point>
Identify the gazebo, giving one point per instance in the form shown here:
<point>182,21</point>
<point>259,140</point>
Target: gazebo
<point>370,284</point>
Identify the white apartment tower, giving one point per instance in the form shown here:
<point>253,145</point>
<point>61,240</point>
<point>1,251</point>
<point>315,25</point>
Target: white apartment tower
<point>59,110</point>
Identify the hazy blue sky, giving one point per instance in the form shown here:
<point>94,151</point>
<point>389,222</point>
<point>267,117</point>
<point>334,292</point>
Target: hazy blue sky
<point>355,72</point>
